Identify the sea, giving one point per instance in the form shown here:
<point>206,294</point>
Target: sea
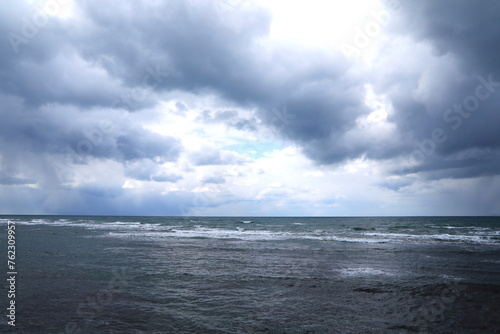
<point>89,274</point>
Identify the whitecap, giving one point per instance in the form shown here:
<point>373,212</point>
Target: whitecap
<point>364,271</point>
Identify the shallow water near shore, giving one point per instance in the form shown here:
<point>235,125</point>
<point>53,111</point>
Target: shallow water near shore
<point>256,274</point>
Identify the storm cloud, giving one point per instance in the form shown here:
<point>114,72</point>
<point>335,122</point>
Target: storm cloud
<point>82,98</point>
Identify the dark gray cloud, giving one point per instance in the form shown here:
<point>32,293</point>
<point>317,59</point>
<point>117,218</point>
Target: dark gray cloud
<point>175,45</point>
<point>467,29</point>
<point>49,142</point>
<point>150,170</point>
<point>189,47</point>
<point>39,63</point>
<point>454,94</point>
<point>397,184</point>
<point>96,133</point>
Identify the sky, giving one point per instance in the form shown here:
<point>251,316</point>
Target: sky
<point>250,107</point>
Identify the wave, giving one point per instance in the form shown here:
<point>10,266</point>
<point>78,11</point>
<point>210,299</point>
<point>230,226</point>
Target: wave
<point>239,233</point>
<point>356,234</point>
<point>363,272</point>
<point>94,225</point>
<point>475,238</point>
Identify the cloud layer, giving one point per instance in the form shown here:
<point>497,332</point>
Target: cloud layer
<point>185,107</point>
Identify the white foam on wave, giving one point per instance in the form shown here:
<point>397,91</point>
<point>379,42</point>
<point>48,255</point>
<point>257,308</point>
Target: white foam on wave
<point>451,278</point>
<point>474,228</point>
<point>468,238</point>
<point>240,234</point>
<point>40,221</point>
<point>93,225</point>
<point>219,233</point>
<point>138,229</point>
<point>198,231</point>
<point>124,226</point>
<point>362,272</point>
<point>353,240</point>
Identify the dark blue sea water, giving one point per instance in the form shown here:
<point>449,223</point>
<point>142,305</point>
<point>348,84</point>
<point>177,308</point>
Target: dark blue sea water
<point>79,274</point>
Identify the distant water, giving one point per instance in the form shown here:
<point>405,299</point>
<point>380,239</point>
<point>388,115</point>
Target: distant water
<point>81,274</point>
